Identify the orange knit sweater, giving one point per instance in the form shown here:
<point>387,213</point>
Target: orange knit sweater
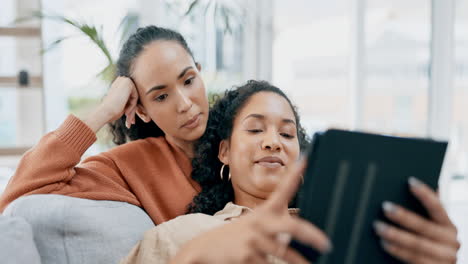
<point>149,173</point>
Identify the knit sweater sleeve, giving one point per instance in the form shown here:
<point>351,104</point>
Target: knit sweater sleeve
<point>52,167</point>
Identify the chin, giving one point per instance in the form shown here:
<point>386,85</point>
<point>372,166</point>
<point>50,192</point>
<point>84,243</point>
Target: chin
<point>195,134</point>
<point>266,183</point>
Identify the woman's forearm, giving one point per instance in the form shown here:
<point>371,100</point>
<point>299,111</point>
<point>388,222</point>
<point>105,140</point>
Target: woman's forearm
<point>98,118</point>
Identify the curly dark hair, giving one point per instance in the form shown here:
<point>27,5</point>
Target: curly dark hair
<point>129,52</point>
<point>215,192</point>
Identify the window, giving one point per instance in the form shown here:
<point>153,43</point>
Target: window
<point>21,106</point>
<point>397,56</point>
<point>311,59</point>
<point>218,49</point>
<point>330,61</point>
<point>460,97</point>
<point>458,183</point>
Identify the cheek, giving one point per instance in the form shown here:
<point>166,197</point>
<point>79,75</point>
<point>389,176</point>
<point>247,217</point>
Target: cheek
<point>163,117</point>
<point>293,150</point>
<point>242,150</point>
<point>199,95</point>
<point>241,163</point>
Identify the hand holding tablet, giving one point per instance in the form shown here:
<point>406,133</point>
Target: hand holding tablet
<point>420,240</point>
<point>350,175</point>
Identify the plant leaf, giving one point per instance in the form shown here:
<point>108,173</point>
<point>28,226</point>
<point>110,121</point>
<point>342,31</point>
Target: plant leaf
<point>192,5</point>
<point>96,38</point>
<point>127,26</point>
<point>108,73</point>
<point>89,30</point>
<point>54,44</point>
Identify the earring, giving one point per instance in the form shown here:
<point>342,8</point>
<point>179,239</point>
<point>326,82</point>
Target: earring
<point>221,173</point>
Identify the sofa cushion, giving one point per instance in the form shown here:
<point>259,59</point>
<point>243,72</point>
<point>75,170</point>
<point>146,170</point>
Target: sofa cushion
<point>17,236</point>
<point>73,230</point>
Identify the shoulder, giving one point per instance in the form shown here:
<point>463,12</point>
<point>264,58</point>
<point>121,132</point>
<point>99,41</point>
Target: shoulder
<point>183,228</point>
<point>188,225</point>
<point>198,220</point>
<point>163,241</point>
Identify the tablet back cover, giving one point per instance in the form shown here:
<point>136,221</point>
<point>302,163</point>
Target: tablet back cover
<point>349,176</point>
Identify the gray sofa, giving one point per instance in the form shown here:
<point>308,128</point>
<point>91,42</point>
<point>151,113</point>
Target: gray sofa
<point>16,242</point>
<point>70,230</point>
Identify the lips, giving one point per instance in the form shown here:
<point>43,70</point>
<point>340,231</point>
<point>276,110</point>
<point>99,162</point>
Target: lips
<point>270,162</point>
<point>192,122</point>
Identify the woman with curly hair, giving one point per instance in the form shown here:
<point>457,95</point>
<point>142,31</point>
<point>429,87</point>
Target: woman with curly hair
<point>218,190</point>
<point>247,166</point>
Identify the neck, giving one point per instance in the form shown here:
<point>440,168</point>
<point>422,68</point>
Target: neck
<point>185,146</point>
<point>243,198</point>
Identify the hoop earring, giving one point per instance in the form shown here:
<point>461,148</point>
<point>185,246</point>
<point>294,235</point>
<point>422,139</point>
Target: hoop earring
<point>221,173</point>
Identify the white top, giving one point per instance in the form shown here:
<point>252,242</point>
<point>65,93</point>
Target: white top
<point>162,242</point>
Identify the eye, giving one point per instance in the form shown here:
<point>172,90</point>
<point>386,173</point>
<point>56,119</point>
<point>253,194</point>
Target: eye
<point>189,81</point>
<point>286,135</point>
<point>161,98</point>
<point>254,131</point>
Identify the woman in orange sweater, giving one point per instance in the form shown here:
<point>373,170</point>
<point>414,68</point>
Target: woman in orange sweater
<point>159,103</point>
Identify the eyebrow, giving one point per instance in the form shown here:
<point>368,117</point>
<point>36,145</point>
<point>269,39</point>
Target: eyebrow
<point>262,117</point>
<point>160,87</point>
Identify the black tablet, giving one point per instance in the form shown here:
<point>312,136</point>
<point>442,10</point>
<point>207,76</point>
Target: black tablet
<point>348,177</point>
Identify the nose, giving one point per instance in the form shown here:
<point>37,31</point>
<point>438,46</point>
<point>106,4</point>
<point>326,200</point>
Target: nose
<point>184,103</point>
<point>271,142</point>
